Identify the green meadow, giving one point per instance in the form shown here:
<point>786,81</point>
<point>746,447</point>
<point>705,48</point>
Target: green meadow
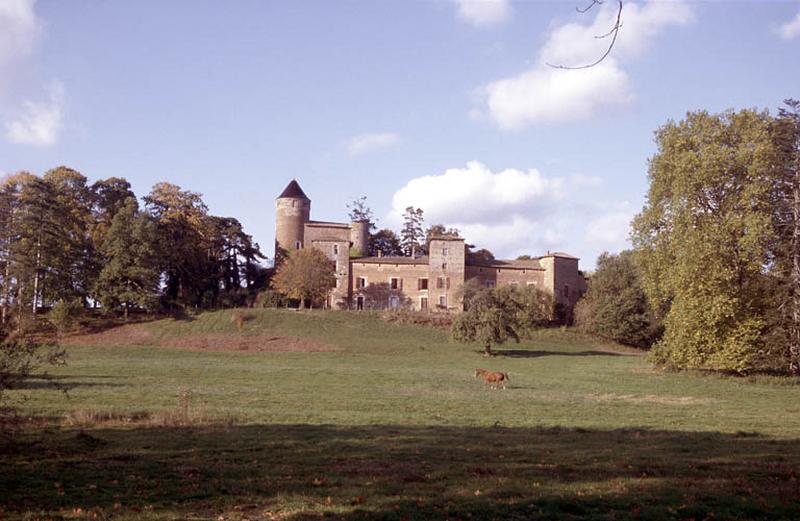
<point>345,416</point>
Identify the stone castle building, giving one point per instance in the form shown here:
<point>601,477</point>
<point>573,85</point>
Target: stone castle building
<point>429,283</point>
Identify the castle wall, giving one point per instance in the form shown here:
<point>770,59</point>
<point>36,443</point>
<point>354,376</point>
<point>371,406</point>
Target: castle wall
<point>378,292</point>
<point>338,252</point>
<point>359,236</point>
<point>447,270</point>
<point>496,276</point>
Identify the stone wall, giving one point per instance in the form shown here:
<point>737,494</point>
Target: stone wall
<point>381,292</point>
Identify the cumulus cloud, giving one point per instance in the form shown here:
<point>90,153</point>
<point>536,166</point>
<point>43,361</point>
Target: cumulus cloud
<point>790,29</point>
<point>544,94</point>
<point>40,123</point>
<point>483,13</point>
<point>19,29</point>
<point>360,144</point>
<point>513,212</point>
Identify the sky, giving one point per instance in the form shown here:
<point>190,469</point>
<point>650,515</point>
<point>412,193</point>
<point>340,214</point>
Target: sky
<point>445,105</point>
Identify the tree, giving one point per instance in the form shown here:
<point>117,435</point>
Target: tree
<point>360,212</point>
<point>787,222</point>
<point>615,307</point>
<point>488,318</point>
<point>703,239</point>
<point>482,255</point>
<point>412,235</point>
<point>130,275</point>
<point>305,275</point>
<point>181,216</point>
<point>384,242</point>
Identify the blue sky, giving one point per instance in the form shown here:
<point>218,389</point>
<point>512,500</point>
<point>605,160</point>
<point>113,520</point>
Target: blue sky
<point>442,104</point>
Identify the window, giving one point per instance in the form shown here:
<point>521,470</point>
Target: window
<point>422,283</point>
<point>359,303</point>
<point>336,249</point>
<point>442,301</point>
<point>361,282</point>
<point>423,303</point>
<point>514,283</point>
<point>444,251</point>
<point>566,290</point>
<point>394,302</point>
<point>532,283</point>
<point>396,283</point>
<point>444,266</point>
<point>297,245</point>
<point>439,282</point>
<point>489,283</point>
<point>447,282</point>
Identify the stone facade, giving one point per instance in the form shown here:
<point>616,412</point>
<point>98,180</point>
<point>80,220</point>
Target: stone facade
<point>429,283</point>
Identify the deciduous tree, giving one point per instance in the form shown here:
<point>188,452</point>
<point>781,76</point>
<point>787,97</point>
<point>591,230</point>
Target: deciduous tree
<point>305,275</point>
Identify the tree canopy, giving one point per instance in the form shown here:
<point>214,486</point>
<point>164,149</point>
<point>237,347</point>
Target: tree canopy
<point>307,275</point>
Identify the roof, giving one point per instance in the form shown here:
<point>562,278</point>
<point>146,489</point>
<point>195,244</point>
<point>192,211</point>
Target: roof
<point>560,254</point>
<point>323,224</point>
<point>329,239</point>
<point>293,191</point>
<point>532,264</point>
<point>391,259</point>
<point>445,238</point>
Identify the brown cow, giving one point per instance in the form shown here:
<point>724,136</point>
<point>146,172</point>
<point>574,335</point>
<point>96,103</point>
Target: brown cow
<point>492,378</point>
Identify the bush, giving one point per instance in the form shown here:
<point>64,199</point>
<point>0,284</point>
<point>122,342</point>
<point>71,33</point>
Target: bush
<point>615,306</point>
<point>270,299</point>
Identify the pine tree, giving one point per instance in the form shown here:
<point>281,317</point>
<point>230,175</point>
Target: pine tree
<point>130,274</point>
<point>412,234</point>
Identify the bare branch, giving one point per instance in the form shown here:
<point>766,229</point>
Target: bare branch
<point>613,32</point>
<point>594,3</point>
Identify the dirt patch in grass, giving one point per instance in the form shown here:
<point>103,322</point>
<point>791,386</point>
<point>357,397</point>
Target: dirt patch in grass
<point>128,335</point>
<point>258,343</point>
<point>137,335</point>
<point>650,398</point>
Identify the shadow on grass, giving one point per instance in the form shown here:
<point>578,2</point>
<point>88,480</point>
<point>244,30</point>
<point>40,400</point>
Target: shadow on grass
<point>531,353</point>
<point>397,472</point>
<point>60,383</point>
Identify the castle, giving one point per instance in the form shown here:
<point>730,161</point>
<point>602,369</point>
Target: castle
<point>429,283</point>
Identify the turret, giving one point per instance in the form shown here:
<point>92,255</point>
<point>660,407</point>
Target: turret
<point>359,236</point>
<point>292,211</point>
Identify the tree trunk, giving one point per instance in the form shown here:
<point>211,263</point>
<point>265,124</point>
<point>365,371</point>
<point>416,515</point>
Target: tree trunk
<point>36,277</point>
<point>794,332</point>
<point>487,350</point>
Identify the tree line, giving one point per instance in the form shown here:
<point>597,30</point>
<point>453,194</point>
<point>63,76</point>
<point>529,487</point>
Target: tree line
<point>713,280</point>
<point>65,240</point>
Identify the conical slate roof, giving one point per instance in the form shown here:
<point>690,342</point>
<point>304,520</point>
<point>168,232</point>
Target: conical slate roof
<point>294,191</point>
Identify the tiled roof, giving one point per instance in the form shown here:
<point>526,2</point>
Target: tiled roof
<point>532,264</point>
<point>389,259</point>
<point>323,224</point>
<point>293,190</point>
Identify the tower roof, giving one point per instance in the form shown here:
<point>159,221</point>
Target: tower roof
<point>293,191</point>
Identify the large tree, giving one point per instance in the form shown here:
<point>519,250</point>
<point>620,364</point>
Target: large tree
<point>704,237</point>
<point>615,307</point>
<point>490,318</point>
<point>305,275</point>
<point>384,242</point>
<point>412,234</point>
<point>130,274</point>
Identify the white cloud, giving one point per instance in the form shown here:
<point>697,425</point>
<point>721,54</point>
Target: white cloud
<point>41,122</point>
<point>547,95</point>
<point>19,29</point>
<point>790,29</point>
<point>514,212</point>
<point>365,142</point>
<point>484,13</point>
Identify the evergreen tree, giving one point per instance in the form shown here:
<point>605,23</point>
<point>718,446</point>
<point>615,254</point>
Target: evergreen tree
<point>412,234</point>
<point>130,275</point>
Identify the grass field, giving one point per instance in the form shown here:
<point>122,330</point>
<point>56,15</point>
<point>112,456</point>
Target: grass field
<point>383,421</point>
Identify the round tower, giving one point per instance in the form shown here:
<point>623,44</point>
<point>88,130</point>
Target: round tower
<point>359,236</point>
<point>292,212</point>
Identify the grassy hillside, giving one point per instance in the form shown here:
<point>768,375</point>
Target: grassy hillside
<point>384,421</point>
